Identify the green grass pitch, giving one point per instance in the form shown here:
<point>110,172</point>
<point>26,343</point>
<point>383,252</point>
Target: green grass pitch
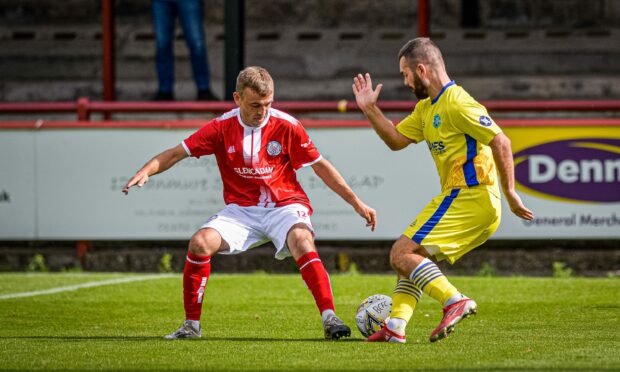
<point>260,322</point>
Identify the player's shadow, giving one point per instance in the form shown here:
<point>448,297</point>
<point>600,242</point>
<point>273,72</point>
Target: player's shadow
<point>151,338</point>
<point>82,338</point>
<point>271,339</point>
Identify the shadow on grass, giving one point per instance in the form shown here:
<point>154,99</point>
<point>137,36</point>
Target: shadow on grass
<point>160,338</point>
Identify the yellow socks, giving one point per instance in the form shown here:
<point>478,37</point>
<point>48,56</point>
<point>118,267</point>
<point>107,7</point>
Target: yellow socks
<point>426,278</point>
<point>431,281</point>
<point>405,297</point>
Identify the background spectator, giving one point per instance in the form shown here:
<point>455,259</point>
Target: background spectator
<point>190,14</point>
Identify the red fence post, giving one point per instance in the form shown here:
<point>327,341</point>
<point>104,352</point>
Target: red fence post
<point>83,109</point>
<point>81,249</point>
<point>424,29</point>
<point>109,65</point>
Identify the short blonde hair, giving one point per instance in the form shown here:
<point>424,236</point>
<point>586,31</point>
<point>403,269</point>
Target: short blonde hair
<point>255,78</point>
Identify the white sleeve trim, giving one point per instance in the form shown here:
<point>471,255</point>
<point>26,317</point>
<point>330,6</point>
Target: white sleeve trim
<point>186,148</point>
<point>312,162</point>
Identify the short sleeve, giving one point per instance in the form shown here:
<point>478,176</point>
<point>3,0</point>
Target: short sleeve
<point>302,151</point>
<point>411,126</point>
<point>473,119</point>
<point>203,141</point>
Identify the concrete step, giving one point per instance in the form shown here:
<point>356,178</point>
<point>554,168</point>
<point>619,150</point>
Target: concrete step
<point>307,52</point>
<point>481,87</point>
<point>51,62</point>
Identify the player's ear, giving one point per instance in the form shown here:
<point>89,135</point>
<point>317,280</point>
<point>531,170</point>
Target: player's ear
<point>420,69</point>
<point>237,98</point>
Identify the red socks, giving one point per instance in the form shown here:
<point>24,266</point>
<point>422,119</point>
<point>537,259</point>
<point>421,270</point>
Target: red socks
<point>314,274</point>
<point>198,268</point>
<point>195,277</point>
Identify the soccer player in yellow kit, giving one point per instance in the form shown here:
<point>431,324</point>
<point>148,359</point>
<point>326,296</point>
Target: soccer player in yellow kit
<point>469,149</point>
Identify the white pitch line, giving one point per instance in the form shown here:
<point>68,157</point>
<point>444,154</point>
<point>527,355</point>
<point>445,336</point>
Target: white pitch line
<point>84,285</point>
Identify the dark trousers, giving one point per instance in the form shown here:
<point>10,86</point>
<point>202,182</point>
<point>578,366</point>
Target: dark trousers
<point>190,14</point>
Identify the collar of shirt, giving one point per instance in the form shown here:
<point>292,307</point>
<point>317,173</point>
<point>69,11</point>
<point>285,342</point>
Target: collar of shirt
<point>448,85</point>
<point>265,121</point>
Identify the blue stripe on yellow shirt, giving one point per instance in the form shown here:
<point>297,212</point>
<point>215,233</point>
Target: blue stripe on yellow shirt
<point>458,130</point>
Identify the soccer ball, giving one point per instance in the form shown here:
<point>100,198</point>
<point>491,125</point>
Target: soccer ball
<point>373,313</point>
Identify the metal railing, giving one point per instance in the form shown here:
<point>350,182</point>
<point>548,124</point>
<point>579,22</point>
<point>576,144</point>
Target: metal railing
<point>308,123</point>
<point>84,107</point>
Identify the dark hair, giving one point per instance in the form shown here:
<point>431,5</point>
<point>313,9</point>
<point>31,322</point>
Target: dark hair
<point>421,50</point>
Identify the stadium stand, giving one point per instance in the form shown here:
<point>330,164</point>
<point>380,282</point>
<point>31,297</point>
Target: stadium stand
<point>518,52</point>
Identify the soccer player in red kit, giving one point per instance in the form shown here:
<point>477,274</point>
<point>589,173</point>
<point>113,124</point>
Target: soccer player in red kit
<point>258,149</point>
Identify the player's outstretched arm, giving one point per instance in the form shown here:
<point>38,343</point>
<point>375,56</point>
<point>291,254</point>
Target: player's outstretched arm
<point>332,178</point>
<point>366,99</point>
<point>502,153</point>
<point>158,164</point>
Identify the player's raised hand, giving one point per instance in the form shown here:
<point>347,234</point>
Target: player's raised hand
<point>365,96</point>
<point>369,214</point>
<point>139,179</point>
<point>517,207</point>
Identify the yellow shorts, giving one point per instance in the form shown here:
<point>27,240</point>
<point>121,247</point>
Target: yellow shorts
<point>456,221</point>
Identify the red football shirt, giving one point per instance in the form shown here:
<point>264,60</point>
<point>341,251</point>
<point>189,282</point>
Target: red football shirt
<point>257,164</point>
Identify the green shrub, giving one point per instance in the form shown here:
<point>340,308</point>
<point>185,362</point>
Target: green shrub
<point>353,270</point>
<point>560,270</point>
<point>165,264</point>
<point>76,268</point>
<point>486,270</point>
<point>37,264</point>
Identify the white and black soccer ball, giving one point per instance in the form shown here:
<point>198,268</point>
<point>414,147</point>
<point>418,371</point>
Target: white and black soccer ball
<point>373,313</point>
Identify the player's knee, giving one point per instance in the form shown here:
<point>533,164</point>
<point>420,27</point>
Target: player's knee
<point>299,240</point>
<point>299,233</point>
<point>396,254</point>
<point>203,243</point>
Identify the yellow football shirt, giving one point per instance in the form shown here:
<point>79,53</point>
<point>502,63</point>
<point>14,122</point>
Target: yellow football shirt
<point>457,130</point>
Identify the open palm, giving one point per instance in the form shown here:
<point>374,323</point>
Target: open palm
<point>365,96</point>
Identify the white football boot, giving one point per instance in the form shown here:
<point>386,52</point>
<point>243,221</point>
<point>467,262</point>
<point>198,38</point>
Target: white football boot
<point>184,331</point>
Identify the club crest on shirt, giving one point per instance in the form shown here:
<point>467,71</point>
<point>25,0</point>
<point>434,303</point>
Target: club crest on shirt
<point>485,121</point>
<point>436,121</point>
<point>274,148</point>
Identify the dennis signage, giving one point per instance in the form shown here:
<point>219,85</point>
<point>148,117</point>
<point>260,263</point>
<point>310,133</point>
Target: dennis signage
<point>579,170</point>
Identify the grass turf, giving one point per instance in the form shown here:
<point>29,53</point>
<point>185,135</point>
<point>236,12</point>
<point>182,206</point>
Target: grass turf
<point>260,322</point>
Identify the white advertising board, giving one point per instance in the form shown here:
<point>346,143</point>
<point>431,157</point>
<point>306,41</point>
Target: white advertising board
<point>18,214</point>
<point>66,184</point>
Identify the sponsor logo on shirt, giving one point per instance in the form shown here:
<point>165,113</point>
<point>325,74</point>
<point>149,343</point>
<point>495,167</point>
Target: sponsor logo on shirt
<point>274,148</point>
<point>436,121</point>
<point>261,172</point>
<point>306,144</point>
<point>437,147</point>
<point>485,121</point>
<point>231,149</point>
